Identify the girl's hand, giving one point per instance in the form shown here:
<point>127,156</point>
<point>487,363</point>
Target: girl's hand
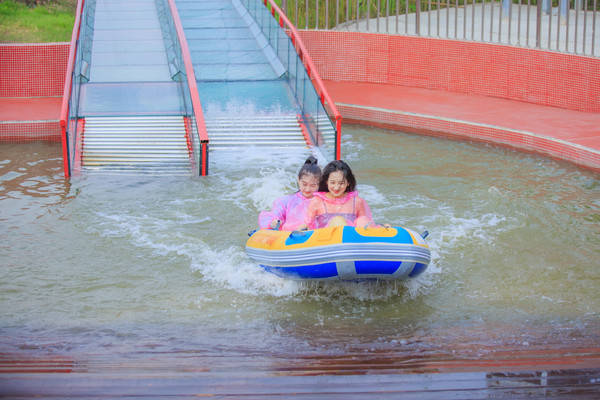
<point>275,224</point>
<point>374,225</point>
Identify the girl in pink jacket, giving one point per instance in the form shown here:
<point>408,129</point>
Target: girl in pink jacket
<point>337,202</point>
<point>289,212</point>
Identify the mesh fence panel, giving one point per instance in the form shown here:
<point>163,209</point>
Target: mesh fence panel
<point>33,70</point>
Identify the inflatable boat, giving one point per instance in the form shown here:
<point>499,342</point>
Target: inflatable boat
<point>341,253</point>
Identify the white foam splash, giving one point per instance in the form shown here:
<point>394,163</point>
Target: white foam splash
<point>271,184</point>
<point>248,160</point>
<point>230,268</point>
<point>373,196</point>
<point>243,108</point>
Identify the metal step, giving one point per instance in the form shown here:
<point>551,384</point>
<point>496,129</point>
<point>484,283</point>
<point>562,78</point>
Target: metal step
<point>257,131</point>
<point>154,144</point>
<point>142,158</point>
<point>252,124</point>
<point>160,170</point>
<point>132,161</point>
<point>258,144</point>
<point>138,153</point>
<point>233,136</point>
<point>134,132</point>
<point>275,132</point>
<point>138,148</point>
<point>166,142</point>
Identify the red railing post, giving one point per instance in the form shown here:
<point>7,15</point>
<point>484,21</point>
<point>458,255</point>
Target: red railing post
<point>64,108</point>
<point>338,137</point>
<point>193,85</point>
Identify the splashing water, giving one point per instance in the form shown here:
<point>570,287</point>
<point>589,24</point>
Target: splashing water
<point>126,262</point>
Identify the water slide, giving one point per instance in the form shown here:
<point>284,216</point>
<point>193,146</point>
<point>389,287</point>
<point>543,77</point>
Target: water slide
<point>158,85</point>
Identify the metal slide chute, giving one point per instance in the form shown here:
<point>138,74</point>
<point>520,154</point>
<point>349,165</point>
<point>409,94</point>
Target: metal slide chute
<point>139,68</point>
<point>125,109</point>
<point>318,113</point>
<point>256,89</point>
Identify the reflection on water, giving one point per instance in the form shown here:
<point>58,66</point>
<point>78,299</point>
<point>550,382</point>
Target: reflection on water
<point>126,265</point>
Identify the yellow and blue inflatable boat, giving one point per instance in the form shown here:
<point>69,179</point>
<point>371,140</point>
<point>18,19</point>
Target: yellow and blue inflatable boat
<point>341,253</point>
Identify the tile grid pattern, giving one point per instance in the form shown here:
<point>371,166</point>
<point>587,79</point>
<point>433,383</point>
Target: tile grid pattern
<point>533,76</point>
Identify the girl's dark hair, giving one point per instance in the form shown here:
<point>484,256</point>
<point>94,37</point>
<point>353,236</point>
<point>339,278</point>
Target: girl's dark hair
<point>337,165</point>
<point>310,167</point>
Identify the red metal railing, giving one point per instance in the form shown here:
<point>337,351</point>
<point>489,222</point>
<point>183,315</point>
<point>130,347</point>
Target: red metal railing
<point>311,70</point>
<point>64,109</point>
<point>191,79</point>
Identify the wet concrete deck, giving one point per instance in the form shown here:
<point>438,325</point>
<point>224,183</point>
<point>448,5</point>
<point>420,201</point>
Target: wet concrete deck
<point>26,119</point>
<point>30,109</point>
<point>509,375</point>
<point>560,133</point>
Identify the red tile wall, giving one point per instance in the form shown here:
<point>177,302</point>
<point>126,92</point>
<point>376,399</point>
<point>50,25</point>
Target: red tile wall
<point>534,76</point>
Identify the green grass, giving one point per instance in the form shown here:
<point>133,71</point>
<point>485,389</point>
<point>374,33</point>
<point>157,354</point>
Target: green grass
<point>52,22</point>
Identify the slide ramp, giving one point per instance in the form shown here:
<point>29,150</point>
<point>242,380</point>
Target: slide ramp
<point>136,94</point>
<point>245,96</point>
<point>131,107</point>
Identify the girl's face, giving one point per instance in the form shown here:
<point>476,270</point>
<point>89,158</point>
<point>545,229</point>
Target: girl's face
<point>337,184</point>
<point>308,184</point>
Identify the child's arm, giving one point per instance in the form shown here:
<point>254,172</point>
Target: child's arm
<point>311,214</point>
<point>268,219</point>
<point>364,218</point>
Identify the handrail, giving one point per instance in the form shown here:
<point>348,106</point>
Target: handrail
<point>304,55</point>
<point>64,109</point>
<point>191,78</point>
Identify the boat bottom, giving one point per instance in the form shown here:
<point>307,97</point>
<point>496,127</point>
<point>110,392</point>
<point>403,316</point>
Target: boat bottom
<point>350,270</point>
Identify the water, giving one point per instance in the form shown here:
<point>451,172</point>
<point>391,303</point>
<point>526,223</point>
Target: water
<point>151,267</point>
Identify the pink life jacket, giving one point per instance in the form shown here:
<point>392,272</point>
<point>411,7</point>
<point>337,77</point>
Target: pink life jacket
<point>322,220</point>
<point>290,210</point>
<point>322,209</point>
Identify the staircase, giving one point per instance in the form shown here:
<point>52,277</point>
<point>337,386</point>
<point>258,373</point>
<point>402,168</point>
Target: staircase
<point>275,132</point>
<point>155,145</point>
